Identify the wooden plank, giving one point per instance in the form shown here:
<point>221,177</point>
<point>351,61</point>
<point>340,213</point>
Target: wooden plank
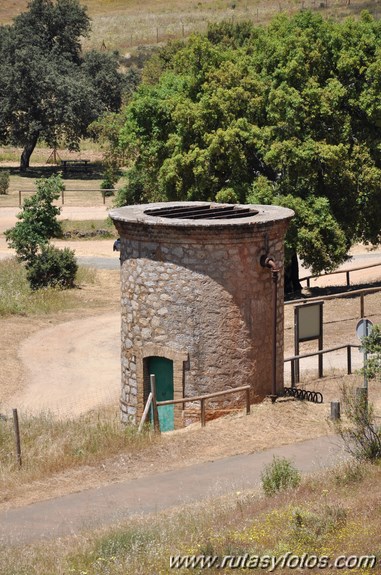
<point>156,422</point>
<point>203,418</point>
<point>201,397</point>
<point>145,412</point>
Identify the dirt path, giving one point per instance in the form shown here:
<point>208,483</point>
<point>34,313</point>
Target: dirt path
<point>72,367</point>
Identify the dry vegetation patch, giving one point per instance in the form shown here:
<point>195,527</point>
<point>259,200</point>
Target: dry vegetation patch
<point>332,514</point>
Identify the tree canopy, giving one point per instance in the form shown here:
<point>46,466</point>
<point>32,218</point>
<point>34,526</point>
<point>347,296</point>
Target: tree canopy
<point>48,88</point>
<point>288,114</point>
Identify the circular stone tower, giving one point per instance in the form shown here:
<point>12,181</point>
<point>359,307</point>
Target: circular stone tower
<point>199,309</point>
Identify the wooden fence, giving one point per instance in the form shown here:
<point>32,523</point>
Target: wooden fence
<point>102,191</point>
<point>201,398</point>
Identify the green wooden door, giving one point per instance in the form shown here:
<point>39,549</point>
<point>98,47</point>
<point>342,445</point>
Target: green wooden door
<point>162,368</point>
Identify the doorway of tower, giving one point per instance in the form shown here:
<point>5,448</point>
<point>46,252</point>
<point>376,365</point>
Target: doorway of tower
<point>162,368</point>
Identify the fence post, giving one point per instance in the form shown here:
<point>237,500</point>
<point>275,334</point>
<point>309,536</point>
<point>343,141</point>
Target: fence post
<point>145,412</point>
<point>335,410</point>
<point>349,359</point>
<point>320,363</point>
<point>362,306</point>
<point>19,198</point>
<point>248,401</point>
<point>292,373</point>
<point>17,436</point>
<point>203,419</point>
<point>156,423</point>
<point>348,278</point>
<point>62,196</point>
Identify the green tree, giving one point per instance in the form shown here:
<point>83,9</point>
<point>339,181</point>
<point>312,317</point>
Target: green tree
<point>48,88</point>
<point>288,114</point>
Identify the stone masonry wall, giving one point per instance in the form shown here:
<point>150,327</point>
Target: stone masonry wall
<point>202,299</point>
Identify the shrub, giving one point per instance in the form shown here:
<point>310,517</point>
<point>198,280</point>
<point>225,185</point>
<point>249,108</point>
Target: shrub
<point>372,345</point>
<point>227,196</point>
<point>52,268</point>
<point>4,183</point>
<point>279,475</point>
<point>108,185</point>
<point>360,434</point>
<point>38,220</point>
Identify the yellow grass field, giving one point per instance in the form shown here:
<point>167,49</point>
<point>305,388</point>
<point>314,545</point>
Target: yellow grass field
<point>124,25</point>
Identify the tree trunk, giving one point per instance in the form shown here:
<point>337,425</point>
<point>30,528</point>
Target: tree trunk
<point>27,152</point>
<point>291,276</point>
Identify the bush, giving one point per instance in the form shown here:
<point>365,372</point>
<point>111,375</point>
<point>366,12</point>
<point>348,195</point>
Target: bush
<point>108,185</point>
<point>4,183</point>
<point>38,220</point>
<point>279,475</point>
<point>52,268</point>
<point>227,196</point>
<point>360,434</point>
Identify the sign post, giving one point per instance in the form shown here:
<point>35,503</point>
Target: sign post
<point>363,329</point>
<point>308,325</point>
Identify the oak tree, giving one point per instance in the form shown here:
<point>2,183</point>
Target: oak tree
<point>49,89</point>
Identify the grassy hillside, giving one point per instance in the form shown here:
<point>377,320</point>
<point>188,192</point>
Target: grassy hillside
<point>126,24</point>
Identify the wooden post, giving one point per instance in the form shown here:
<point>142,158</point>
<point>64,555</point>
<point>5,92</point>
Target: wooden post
<point>248,401</point>
<point>292,373</point>
<point>20,199</point>
<point>349,359</point>
<point>157,35</point>
<point>203,420</point>
<point>156,423</point>
<point>362,306</point>
<point>63,196</point>
<point>145,412</point>
<point>348,279</point>
<point>335,410</point>
<point>17,436</point>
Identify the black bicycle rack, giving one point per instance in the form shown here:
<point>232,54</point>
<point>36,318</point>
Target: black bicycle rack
<point>304,394</point>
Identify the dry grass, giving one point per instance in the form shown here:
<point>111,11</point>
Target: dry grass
<point>51,445</point>
<point>125,25</point>
<point>332,514</point>
<point>79,192</point>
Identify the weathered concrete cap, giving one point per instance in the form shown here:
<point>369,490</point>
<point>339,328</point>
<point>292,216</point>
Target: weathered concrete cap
<point>201,214</point>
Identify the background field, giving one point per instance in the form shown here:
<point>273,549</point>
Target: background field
<point>126,25</point>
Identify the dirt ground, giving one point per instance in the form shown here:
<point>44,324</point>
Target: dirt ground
<point>70,362</point>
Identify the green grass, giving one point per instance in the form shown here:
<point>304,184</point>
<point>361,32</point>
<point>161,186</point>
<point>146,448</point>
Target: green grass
<point>16,297</point>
